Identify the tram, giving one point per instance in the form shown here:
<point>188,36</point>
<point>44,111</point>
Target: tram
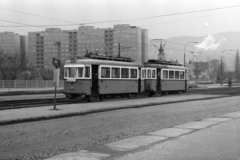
<point>101,76</point>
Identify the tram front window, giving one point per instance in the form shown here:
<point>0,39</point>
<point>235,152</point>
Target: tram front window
<point>87,72</point>
<point>72,72</point>
<point>65,72</point>
<point>80,72</point>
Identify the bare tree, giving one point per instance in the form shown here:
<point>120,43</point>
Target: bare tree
<point>13,66</point>
<point>214,64</point>
<point>237,66</point>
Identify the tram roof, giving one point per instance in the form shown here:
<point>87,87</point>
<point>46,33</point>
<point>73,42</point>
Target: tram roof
<point>101,62</point>
<point>147,64</point>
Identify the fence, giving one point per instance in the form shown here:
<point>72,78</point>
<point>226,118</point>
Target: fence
<point>28,83</point>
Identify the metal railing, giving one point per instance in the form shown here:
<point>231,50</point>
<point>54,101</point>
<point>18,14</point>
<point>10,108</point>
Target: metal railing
<point>28,83</point>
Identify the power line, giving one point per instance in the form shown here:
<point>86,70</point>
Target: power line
<point>189,12</point>
<point>189,18</point>
<point>124,20</point>
<point>30,14</point>
<point>22,24</point>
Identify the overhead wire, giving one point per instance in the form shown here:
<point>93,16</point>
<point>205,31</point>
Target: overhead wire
<point>30,14</point>
<point>190,18</point>
<point>126,20</point>
<point>28,25</point>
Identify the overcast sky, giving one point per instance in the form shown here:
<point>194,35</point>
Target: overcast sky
<point>142,13</point>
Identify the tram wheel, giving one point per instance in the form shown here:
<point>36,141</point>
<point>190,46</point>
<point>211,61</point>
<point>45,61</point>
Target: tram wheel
<point>88,98</point>
<point>100,97</point>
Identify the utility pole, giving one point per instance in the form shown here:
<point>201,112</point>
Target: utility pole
<point>57,64</point>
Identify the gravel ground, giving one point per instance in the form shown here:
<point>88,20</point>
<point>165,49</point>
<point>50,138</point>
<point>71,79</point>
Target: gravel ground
<point>43,139</point>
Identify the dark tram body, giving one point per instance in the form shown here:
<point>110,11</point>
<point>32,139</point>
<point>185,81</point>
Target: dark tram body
<point>105,76</point>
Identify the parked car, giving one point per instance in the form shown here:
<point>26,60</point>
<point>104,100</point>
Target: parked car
<point>192,84</point>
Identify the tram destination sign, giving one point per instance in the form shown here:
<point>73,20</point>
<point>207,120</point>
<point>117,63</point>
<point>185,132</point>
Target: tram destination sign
<point>56,62</point>
<point>73,60</point>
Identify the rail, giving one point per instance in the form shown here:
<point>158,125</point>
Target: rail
<point>28,83</point>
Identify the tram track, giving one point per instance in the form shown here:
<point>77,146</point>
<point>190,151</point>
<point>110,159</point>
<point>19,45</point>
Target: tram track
<point>27,103</point>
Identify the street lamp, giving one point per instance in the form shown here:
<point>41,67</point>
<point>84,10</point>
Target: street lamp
<point>184,50</point>
<point>222,66</point>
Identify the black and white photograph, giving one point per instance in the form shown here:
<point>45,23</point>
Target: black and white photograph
<point>119,80</point>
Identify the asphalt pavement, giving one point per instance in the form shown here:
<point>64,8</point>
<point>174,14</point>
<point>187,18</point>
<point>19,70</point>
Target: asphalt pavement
<point>209,139</point>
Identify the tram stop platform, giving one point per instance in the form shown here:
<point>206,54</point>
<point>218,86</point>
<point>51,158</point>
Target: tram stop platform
<point>49,112</point>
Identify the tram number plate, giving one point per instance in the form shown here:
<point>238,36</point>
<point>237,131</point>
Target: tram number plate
<point>71,80</point>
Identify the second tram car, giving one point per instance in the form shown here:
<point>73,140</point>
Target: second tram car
<point>164,77</point>
<point>102,77</point>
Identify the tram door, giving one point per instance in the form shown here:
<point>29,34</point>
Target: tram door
<point>94,79</point>
<point>139,81</point>
<point>158,80</point>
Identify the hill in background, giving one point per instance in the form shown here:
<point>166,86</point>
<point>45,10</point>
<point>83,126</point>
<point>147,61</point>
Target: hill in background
<point>208,48</point>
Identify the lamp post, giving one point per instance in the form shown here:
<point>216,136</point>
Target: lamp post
<point>222,66</point>
<point>184,51</point>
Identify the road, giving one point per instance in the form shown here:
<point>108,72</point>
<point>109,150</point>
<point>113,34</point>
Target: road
<point>43,139</point>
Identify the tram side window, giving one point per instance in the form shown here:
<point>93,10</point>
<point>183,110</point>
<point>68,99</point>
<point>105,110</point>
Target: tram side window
<point>144,73</point>
<point>124,73</point>
<point>80,72</point>
<point>72,72</point>
<point>176,74</point>
<point>149,73</point>
<point>181,74</point>
<point>165,74</point>
<point>153,73</point>
<point>171,74</point>
<point>87,72</point>
<point>115,72</point>
<point>105,72</point>
<point>133,73</point>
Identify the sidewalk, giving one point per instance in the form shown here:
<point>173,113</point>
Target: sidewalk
<point>209,139</point>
